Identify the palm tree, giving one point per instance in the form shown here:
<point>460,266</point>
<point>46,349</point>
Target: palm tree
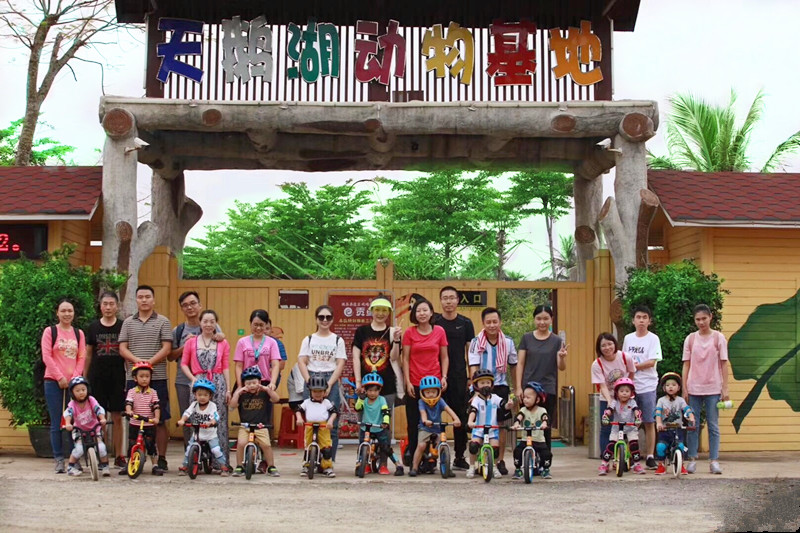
<point>564,259</point>
<point>704,137</point>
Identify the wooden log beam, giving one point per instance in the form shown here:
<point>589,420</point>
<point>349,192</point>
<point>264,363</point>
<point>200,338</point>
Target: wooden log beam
<point>647,210</point>
<point>636,127</point>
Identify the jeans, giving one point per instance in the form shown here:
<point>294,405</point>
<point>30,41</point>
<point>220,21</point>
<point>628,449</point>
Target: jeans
<point>712,421</point>
<point>335,400</point>
<point>605,431</point>
<point>55,398</point>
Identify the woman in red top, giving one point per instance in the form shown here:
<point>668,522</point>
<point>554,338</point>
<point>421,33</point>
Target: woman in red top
<point>424,354</point>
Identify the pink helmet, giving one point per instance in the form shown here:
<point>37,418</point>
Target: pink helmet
<point>624,381</point>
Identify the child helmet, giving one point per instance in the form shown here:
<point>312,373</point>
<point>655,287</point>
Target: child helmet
<point>373,378</point>
<point>624,381</point>
<point>483,373</point>
<point>77,380</point>
<point>251,372</point>
<point>141,365</point>
<point>538,389</point>
<point>668,376</point>
<point>317,383</point>
<point>430,382</point>
<point>203,383</point>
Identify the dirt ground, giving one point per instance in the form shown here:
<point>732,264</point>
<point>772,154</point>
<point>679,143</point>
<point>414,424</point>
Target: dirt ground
<point>33,498</point>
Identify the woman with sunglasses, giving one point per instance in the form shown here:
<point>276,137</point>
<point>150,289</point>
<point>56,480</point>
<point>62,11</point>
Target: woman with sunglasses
<point>322,354</point>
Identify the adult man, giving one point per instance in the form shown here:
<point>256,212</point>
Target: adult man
<point>191,307</point>
<point>460,332</point>
<point>105,367</point>
<point>147,336</point>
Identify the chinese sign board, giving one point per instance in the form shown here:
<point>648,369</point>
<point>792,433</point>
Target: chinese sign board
<point>315,51</point>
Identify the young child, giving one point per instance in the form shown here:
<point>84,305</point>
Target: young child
<point>625,410</point>
<point>253,401</point>
<point>319,409</point>
<point>203,411</point>
<point>671,409</point>
<point>483,412</point>
<point>532,414</point>
<point>375,413</point>
<point>83,413</point>
<point>431,406</point>
<point>143,401</point>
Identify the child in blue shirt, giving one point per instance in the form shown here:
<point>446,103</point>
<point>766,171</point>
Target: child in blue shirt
<point>375,418</point>
<point>431,406</point>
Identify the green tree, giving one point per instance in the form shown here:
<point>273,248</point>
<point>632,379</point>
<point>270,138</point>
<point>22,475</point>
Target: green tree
<point>705,137</point>
<point>44,151</point>
<point>565,259</point>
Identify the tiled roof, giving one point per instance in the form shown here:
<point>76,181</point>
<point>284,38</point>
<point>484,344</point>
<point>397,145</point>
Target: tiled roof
<point>728,198</point>
<point>49,192</point>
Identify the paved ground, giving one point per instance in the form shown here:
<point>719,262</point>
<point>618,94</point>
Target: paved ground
<point>756,492</point>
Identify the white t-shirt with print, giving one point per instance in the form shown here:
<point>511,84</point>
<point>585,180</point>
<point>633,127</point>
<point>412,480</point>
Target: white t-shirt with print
<point>642,349</point>
<point>322,352</point>
<point>196,414</point>
<point>316,411</point>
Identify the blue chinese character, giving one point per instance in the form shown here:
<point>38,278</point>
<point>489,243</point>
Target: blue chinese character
<point>169,51</point>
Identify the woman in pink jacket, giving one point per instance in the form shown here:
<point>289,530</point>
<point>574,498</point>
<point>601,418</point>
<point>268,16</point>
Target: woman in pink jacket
<point>64,355</point>
<point>203,357</point>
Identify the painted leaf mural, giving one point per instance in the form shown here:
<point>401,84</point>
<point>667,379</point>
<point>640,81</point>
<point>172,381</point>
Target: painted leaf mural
<point>765,349</point>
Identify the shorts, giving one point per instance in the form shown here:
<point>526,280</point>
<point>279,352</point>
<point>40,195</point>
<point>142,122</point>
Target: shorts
<point>107,378</point>
<point>261,437</point>
<point>503,414</point>
<point>647,403</point>
<point>425,434</point>
<point>477,434</point>
<point>149,438</point>
<point>161,386</point>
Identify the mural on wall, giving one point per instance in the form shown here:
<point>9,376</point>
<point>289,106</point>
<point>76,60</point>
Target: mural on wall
<point>765,349</point>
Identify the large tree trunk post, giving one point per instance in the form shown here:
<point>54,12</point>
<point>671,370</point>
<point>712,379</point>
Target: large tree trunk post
<point>123,247</point>
<point>619,241</point>
<point>588,194</point>
<point>173,213</point>
<point>647,210</point>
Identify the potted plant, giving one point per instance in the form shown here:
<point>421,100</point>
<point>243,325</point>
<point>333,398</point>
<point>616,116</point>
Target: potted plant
<point>29,291</point>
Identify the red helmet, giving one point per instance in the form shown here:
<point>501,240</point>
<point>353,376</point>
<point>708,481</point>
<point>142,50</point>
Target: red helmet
<point>624,381</point>
<point>141,365</point>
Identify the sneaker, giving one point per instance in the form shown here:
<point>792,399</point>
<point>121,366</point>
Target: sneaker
<point>384,470</point>
<point>661,469</point>
<point>238,471</point>
<point>412,473</point>
<point>460,464</point>
<point>123,472</point>
<point>517,474</point>
<point>104,470</point>
<point>329,472</point>
<point>683,470</point>
<point>398,471</point>
<point>60,466</point>
<point>216,470</point>
<point>546,474</point>
<point>304,470</point>
<point>496,471</point>
<point>651,463</point>
<point>183,470</point>
<point>73,470</point>
<point>262,467</point>
<point>157,471</point>
<point>273,471</point>
<point>638,469</point>
<point>714,467</point>
<point>602,470</point>
<point>691,467</point>
<point>120,462</point>
<point>471,472</point>
<point>162,463</point>
<point>501,467</point>
<point>226,471</point>
<point>368,469</point>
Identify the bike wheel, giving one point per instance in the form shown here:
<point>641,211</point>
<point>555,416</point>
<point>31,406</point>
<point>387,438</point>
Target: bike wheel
<point>444,461</point>
<point>528,465</point>
<point>194,461</point>
<point>487,464</point>
<point>620,459</point>
<point>677,462</point>
<point>136,462</point>
<point>313,455</point>
<point>363,460</point>
<point>91,453</point>
<point>205,458</point>
<point>249,461</point>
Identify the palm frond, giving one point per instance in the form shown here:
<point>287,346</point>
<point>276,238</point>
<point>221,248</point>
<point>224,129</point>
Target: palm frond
<point>742,138</point>
<point>696,124</point>
<point>789,146</point>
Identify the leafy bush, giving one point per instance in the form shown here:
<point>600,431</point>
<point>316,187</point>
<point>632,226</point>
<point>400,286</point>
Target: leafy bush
<point>29,291</point>
<point>671,292</point>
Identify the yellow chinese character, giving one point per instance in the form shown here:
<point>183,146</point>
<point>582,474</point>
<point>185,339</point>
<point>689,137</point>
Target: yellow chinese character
<point>579,48</point>
<point>442,52</point>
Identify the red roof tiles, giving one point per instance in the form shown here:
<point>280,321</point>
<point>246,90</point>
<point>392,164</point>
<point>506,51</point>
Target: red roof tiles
<point>49,191</point>
<point>728,198</point>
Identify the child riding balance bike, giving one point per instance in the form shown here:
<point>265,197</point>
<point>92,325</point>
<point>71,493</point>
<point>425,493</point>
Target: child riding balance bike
<point>671,410</point>
<point>625,415</point>
<point>320,415</point>
<point>375,448</point>
<point>431,405</point>
<point>203,417</point>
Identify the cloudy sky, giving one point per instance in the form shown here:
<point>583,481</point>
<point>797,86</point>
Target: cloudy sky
<point>706,47</point>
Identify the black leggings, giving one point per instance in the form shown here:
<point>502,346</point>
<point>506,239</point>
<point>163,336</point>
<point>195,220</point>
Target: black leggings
<point>633,445</point>
<point>456,398</point>
<point>412,421</point>
<point>550,405</point>
<point>544,453</point>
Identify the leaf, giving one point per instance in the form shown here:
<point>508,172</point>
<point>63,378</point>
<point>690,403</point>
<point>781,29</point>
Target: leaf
<point>765,349</point>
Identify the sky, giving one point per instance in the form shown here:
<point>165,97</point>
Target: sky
<point>707,48</point>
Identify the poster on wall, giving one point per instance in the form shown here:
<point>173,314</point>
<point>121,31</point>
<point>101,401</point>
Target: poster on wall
<point>349,312</point>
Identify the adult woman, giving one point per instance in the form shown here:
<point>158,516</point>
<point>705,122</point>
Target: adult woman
<point>541,354</point>
<point>323,354</point>
<point>258,349</point>
<point>424,354</point>
<point>64,356</point>
<point>705,376</point>
<point>204,357</point>
<point>611,364</point>
<point>375,347</point>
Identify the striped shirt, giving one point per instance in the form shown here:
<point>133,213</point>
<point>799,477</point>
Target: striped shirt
<point>144,340</point>
<point>143,402</point>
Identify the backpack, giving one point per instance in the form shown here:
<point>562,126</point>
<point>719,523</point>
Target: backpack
<point>39,366</point>
<point>600,363</point>
<point>338,338</point>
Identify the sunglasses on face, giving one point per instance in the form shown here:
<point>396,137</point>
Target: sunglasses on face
<point>324,318</point>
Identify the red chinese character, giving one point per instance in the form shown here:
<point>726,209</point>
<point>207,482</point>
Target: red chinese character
<point>368,66</point>
<point>512,57</point>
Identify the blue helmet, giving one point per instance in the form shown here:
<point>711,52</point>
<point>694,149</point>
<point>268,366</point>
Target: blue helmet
<point>203,383</point>
<point>538,389</point>
<point>251,372</point>
<point>429,382</point>
<point>373,378</point>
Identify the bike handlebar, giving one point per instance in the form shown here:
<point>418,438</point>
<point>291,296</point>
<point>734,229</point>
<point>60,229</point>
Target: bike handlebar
<point>200,426</point>
<point>134,416</point>
<point>252,426</point>
<point>623,424</point>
